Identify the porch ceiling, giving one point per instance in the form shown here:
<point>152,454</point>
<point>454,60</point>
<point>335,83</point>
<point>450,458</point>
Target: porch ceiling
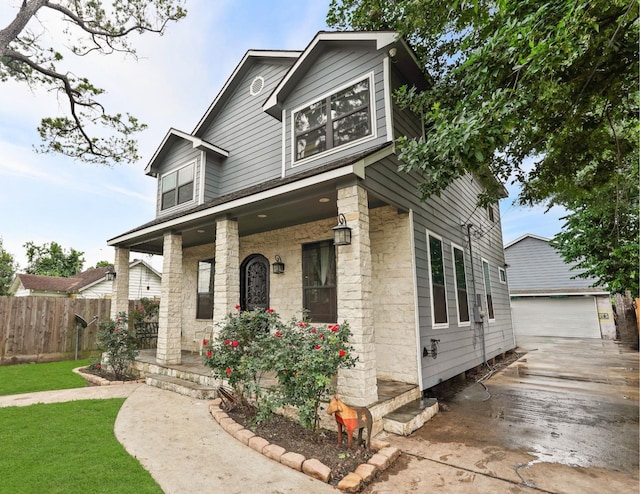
<point>294,208</point>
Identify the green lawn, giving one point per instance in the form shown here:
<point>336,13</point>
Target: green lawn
<point>27,378</point>
<point>67,448</point>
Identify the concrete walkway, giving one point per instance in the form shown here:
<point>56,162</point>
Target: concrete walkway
<point>186,451</point>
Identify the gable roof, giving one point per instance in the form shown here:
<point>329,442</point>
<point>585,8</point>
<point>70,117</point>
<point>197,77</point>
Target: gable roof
<point>382,39</point>
<point>525,236</point>
<point>76,283</point>
<point>250,58</point>
<point>175,134</point>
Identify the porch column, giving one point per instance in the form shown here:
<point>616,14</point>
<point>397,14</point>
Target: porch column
<point>120,285</point>
<point>170,313</point>
<point>355,301</point>
<point>226,288</point>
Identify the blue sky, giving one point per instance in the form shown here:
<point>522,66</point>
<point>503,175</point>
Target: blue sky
<point>47,198</point>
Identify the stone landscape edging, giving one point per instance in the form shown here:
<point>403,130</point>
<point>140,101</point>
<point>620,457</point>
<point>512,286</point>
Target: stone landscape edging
<point>352,482</point>
<point>101,381</point>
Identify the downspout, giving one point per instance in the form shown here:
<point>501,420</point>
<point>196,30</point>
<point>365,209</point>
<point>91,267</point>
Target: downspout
<point>477,318</point>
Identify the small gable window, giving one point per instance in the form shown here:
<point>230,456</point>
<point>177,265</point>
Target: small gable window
<point>335,120</point>
<point>177,187</point>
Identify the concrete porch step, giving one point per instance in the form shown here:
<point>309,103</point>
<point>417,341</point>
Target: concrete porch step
<point>410,417</point>
<point>181,386</point>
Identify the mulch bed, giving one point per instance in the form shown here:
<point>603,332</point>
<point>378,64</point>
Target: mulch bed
<point>109,376</point>
<point>291,436</point>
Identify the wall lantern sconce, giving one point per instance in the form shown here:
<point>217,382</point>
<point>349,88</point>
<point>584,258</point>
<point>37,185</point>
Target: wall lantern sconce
<point>341,232</point>
<point>278,266</point>
<point>111,273</point>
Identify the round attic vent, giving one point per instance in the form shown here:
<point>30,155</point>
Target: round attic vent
<point>256,85</point>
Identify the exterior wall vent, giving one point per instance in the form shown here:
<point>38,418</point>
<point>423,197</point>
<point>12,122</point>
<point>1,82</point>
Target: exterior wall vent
<point>256,86</point>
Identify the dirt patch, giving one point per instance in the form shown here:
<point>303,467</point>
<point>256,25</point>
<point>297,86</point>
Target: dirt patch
<point>291,436</point>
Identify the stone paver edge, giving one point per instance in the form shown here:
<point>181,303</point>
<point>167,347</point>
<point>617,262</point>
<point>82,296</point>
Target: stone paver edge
<point>353,482</point>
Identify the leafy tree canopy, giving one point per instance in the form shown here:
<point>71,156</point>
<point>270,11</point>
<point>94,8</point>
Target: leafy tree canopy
<point>554,81</point>
<point>53,260</point>
<point>7,270</point>
<point>103,264</point>
<point>541,93</point>
<point>86,131</point>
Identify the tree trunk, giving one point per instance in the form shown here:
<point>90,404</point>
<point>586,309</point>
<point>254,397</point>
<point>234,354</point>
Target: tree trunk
<point>626,320</point>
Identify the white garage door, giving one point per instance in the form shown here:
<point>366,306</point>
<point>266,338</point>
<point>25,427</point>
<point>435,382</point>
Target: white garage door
<point>573,317</point>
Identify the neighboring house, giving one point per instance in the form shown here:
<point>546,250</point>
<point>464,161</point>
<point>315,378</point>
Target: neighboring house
<point>294,141</point>
<point>144,282</point>
<point>547,299</point>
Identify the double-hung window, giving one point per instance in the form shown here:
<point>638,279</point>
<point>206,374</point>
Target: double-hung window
<point>461,285</point>
<point>438,286</point>
<point>177,186</point>
<point>335,120</point>
<point>487,289</point>
<point>206,270</point>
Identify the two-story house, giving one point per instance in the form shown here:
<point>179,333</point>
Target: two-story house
<point>298,143</point>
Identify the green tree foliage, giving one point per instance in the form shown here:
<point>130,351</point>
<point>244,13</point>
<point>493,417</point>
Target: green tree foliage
<point>601,233</point>
<point>103,264</point>
<point>53,260</point>
<point>90,26</point>
<point>541,93</point>
<point>7,270</point>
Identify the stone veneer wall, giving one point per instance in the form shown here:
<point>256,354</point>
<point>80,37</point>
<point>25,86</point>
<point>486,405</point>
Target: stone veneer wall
<point>393,295</point>
<point>394,302</point>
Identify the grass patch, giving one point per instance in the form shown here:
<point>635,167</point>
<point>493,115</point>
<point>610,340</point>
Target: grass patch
<point>67,447</point>
<point>28,378</point>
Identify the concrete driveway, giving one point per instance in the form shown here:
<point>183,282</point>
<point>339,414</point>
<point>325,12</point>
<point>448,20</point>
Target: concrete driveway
<point>561,419</point>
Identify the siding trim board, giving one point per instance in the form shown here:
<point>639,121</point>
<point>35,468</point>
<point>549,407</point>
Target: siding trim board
<point>416,300</point>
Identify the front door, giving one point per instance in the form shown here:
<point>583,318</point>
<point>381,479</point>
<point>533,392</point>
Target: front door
<point>254,283</point>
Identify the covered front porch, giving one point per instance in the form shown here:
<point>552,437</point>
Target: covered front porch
<point>370,282</point>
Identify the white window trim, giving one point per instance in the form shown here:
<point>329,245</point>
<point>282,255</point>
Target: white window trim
<point>455,282</point>
<point>328,152</point>
<point>484,284</point>
<point>502,274</point>
<point>435,325</point>
<point>176,170</point>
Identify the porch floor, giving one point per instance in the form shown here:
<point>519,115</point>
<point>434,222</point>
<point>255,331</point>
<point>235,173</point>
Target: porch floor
<point>388,390</point>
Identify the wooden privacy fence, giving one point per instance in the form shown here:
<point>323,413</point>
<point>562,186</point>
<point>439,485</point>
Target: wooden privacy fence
<point>36,329</point>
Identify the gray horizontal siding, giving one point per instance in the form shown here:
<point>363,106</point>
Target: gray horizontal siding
<point>252,138</point>
<point>460,347</point>
<point>535,265</point>
<point>212,178</point>
<point>405,122</point>
<point>333,69</point>
<point>180,153</point>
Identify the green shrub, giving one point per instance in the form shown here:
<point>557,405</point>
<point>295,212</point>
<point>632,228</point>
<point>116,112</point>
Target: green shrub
<point>116,342</point>
<point>304,358</point>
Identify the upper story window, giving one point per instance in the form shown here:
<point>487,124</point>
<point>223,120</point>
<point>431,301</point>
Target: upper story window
<point>335,120</point>
<point>177,187</point>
